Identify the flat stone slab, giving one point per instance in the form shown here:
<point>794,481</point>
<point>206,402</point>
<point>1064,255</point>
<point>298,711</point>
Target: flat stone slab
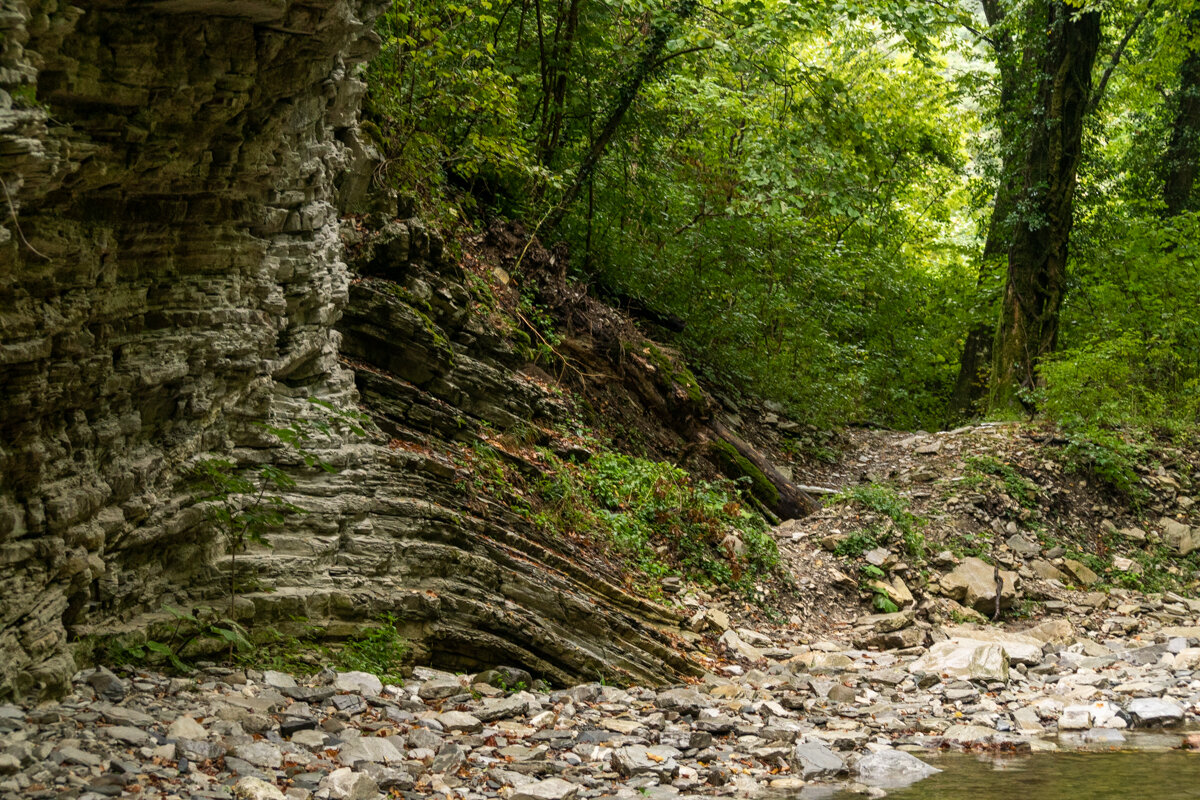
<point>814,759</point>
<point>1153,712</point>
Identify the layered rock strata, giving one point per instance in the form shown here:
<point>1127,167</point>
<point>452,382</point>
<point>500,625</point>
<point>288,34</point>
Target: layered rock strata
<point>170,273</point>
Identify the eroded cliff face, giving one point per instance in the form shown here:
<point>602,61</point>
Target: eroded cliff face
<point>170,273</point>
<point>174,168</point>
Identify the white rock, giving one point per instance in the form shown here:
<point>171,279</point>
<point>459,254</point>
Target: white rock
<point>459,721</point>
<point>260,754</point>
<point>186,728</point>
<point>892,769</point>
<point>346,784</point>
<point>310,739</point>
<point>1154,711</point>
<point>369,748</point>
<point>1020,649</point>
<point>549,789</point>
<point>363,682</point>
<point>1075,718</point>
<point>964,661</point>
<point>278,680</point>
<point>256,789</point>
<point>732,642</point>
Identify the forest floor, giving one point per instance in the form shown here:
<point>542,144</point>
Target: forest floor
<point>821,698</point>
<point>904,510</point>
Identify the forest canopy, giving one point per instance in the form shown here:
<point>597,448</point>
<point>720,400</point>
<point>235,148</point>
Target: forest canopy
<point>873,211</point>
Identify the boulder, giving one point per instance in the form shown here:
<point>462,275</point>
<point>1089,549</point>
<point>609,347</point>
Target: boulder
<point>260,754</point>
<point>887,623</point>
<point>967,660</point>
<point>362,682</point>
<point>639,760</point>
<point>440,687</point>
<point>1058,631</point>
<point>460,722</point>
<point>1020,648</point>
<point>256,789</point>
<point>969,735</point>
<point>973,584</point>
<point>734,644</point>
<point>186,728</point>
<point>815,760</point>
<point>503,708</point>
<point>892,769</point>
<point>1153,712</point>
<point>1082,574</point>
<point>684,701</point>
<point>549,789</point>
<point>346,784</point>
<point>506,678</point>
<point>911,636</point>
<point>374,749</point>
<point>1023,546</point>
<point>1047,571</point>
<point>1181,538</point>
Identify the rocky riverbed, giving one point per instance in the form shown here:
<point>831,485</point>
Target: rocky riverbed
<point>776,716</point>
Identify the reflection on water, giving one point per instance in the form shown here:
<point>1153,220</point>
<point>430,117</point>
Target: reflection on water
<point>1171,775</point>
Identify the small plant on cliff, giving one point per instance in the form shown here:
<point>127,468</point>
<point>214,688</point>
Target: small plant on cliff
<point>380,650</point>
<point>244,505</point>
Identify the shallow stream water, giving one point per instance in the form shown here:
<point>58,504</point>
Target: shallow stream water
<point>1145,773</point>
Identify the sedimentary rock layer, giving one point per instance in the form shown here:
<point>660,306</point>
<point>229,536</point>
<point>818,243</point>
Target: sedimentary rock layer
<point>171,272</point>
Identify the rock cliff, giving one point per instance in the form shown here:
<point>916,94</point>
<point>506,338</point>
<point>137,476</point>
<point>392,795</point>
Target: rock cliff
<point>171,272</point>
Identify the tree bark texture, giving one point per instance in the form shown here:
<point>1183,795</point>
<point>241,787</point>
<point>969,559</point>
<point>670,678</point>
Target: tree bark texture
<point>1037,257</point>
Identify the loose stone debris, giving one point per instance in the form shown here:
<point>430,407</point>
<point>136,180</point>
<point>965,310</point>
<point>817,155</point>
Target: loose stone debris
<point>812,714</point>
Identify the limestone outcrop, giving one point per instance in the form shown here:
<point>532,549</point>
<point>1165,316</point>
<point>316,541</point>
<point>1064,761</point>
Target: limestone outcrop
<point>171,271</point>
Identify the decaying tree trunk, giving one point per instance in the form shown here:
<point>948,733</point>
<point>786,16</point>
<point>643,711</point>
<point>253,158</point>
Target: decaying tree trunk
<point>1037,257</point>
<point>790,501</point>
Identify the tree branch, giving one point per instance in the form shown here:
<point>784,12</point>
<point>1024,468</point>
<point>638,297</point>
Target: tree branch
<point>1098,95</point>
<point>678,53</point>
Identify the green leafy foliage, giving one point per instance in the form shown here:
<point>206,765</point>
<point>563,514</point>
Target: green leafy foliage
<point>379,650</point>
<point>660,518</point>
<point>883,603</point>
<point>808,186</point>
<point>882,500</point>
<point>1111,458</point>
<point>775,181</point>
<point>856,543</point>
<point>1015,485</point>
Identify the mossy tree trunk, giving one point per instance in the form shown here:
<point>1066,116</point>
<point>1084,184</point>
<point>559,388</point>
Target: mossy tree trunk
<point>1037,257</point>
<point>784,499</point>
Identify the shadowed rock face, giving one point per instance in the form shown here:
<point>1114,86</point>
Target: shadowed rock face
<point>176,169</point>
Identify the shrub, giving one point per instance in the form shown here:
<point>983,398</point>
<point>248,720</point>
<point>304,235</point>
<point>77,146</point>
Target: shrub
<point>660,518</point>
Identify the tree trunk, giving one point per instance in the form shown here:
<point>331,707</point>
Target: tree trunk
<point>974,366</point>
<point>787,501</point>
<point>1180,161</point>
<point>971,386</point>
<point>1037,257</point>
<point>561,70</point>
